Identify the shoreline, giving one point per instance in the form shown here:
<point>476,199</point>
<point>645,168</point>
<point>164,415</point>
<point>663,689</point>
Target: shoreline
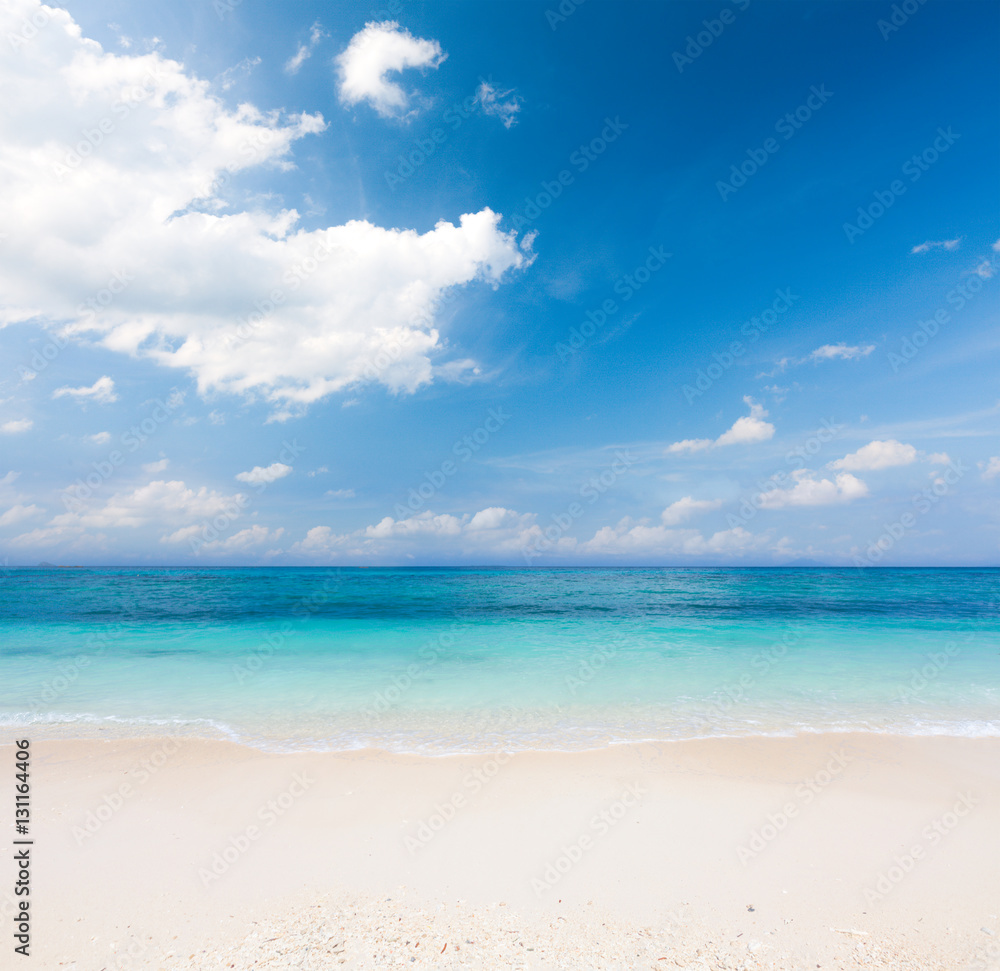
<point>818,834</point>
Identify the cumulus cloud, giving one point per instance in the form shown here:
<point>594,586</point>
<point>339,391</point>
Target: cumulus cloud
<point>260,475</point>
<point>939,458</point>
<point>643,539</point>
<point>243,541</point>
<point>152,468</point>
<point>928,245</point>
<point>746,430</point>
<point>137,215</point>
<point>100,438</point>
<point>102,391</point>
<point>682,509</point>
<point>833,352</point>
<point>991,469</point>
<point>305,50</point>
<point>500,104</point>
<point>16,426</point>
<point>159,503</point>
<point>494,530</point>
<point>877,455</point>
<point>810,491</point>
<point>375,51</point>
<point>19,513</point>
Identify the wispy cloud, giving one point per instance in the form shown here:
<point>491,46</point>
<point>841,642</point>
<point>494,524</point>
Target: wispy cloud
<point>928,245</point>
<point>102,391</point>
<point>842,352</point>
<point>500,104</point>
<point>316,34</point>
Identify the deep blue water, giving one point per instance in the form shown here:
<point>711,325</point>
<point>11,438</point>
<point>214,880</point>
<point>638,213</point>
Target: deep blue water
<point>464,659</point>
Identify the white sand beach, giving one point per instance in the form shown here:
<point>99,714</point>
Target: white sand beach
<point>831,851</point>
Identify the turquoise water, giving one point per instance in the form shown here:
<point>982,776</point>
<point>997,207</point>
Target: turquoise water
<point>443,660</point>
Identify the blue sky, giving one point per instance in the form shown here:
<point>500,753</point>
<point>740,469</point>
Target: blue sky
<point>523,283</point>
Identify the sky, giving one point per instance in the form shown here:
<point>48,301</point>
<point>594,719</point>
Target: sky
<point>553,283</point>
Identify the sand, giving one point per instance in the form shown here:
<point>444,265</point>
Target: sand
<point>830,851</point>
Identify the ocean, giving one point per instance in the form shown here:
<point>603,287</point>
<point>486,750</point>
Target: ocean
<point>438,661</point>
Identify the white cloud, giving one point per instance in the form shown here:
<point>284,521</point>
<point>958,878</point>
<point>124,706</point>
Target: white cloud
<point>926,247</point>
<point>259,475</point>
<point>305,50</point>
<point>102,390</point>
<point>152,468</point>
<point>16,426</point>
<point>100,438</point>
<point>238,72</point>
<point>159,503</point>
<point>19,513</point>
<point>939,458</point>
<point>810,491</point>
<point>991,469</point>
<point>492,102</point>
<point>746,430</point>
<point>245,300</point>
<point>374,52</point>
<point>643,539</point>
<point>832,352</point>
<point>685,508</point>
<point>339,494</point>
<point>490,531</point>
<point>877,455</point>
<point>245,539</point>
<point>750,428</point>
